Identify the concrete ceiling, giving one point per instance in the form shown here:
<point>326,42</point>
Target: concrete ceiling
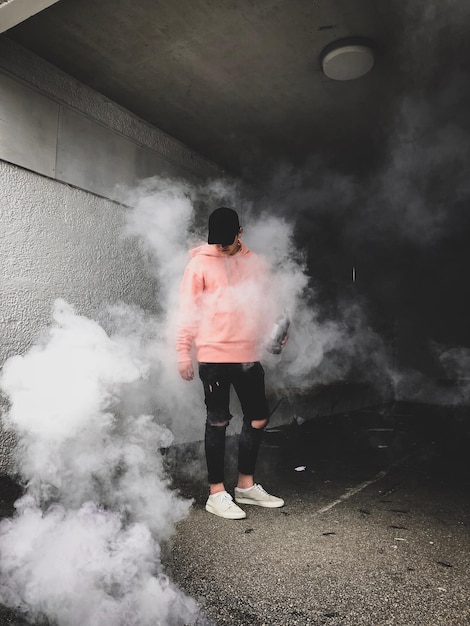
<point>239,81</point>
<point>12,12</point>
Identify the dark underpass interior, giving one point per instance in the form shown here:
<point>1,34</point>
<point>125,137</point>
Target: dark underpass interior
<point>375,529</point>
<point>373,177</point>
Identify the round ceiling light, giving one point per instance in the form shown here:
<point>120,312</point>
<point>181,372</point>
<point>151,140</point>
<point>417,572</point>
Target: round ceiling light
<point>346,60</point>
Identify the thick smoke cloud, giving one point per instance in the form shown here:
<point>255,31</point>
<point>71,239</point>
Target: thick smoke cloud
<point>322,348</point>
<point>168,218</point>
<point>84,546</point>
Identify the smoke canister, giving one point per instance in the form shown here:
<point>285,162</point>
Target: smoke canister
<point>278,334</point>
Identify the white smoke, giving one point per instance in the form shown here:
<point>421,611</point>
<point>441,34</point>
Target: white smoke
<point>161,218</point>
<point>164,218</point>
<point>309,340</point>
<point>322,348</point>
<point>84,546</point>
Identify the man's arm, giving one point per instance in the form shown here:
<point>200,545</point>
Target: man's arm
<point>189,301</point>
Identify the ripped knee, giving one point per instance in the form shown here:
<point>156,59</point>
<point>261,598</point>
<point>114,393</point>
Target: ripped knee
<point>259,424</point>
<point>217,421</point>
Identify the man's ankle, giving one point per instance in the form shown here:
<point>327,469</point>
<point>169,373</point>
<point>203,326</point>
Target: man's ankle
<point>245,482</point>
<point>216,488</point>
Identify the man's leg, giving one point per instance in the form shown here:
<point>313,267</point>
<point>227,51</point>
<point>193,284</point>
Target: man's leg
<point>214,445</point>
<point>219,502</point>
<point>249,385</point>
<point>247,491</point>
<point>248,382</point>
<point>216,384</point>
<point>248,449</point>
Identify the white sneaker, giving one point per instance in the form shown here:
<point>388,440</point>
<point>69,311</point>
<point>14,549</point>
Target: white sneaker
<point>257,495</point>
<point>222,504</point>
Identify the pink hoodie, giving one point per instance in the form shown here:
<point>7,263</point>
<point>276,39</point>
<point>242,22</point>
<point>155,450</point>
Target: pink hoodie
<point>226,306</point>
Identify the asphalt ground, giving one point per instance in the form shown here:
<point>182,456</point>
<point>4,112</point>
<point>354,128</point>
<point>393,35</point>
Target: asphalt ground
<point>375,530</point>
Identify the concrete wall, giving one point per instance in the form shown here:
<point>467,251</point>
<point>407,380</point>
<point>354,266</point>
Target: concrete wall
<point>64,152</point>
<point>54,125</point>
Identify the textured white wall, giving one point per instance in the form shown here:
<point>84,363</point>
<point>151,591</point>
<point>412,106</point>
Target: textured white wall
<point>59,240</point>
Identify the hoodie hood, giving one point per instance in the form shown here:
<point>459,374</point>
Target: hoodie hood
<point>207,249</point>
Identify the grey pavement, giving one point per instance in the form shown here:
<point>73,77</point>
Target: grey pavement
<point>375,530</point>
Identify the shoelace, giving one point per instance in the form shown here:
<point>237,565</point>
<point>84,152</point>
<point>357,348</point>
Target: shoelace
<point>226,497</point>
<point>261,489</point>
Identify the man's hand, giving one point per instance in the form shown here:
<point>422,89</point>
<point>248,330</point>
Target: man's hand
<point>186,370</point>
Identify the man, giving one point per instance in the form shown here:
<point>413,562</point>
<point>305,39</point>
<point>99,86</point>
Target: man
<point>226,312</point>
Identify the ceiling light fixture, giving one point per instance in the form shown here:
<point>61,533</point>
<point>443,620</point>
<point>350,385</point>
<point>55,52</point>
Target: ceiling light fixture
<point>347,59</point>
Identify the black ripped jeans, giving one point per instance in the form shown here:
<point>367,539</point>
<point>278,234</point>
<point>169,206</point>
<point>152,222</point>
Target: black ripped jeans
<point>248,381</point>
